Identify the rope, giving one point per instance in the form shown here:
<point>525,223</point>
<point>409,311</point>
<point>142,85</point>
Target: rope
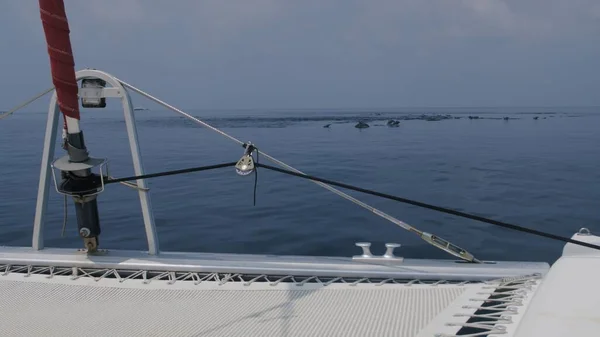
<point>169,173</point>
<point>255,179</point>
<point>492,313</point>
<point>129,184</point>
<point>435,208</point>
<point>26,103</point>
<point>65,214</point>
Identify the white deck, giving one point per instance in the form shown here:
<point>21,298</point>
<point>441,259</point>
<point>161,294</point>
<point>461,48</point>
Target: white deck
<point>59,292</point>
<point>568,301</point>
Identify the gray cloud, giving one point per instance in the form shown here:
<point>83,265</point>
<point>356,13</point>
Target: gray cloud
<point>333,53</point>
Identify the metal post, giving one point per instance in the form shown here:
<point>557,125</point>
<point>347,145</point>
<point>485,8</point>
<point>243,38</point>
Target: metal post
<point>45,174</point>
<point>147,213</point>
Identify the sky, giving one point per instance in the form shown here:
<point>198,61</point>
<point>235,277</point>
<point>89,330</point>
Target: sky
<point>270,54</point>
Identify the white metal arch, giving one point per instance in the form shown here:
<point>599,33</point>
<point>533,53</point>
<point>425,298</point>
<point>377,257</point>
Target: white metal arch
<point>117,91</point>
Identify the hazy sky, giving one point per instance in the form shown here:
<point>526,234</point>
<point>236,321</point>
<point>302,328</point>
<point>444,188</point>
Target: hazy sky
<point>321,54</point>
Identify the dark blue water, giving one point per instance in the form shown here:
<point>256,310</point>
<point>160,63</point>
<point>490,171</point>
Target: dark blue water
<point>542,174</point>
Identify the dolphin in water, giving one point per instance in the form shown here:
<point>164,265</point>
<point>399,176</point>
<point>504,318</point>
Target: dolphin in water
<point>361,125</point>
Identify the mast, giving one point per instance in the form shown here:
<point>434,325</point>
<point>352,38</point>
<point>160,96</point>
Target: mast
<point>81,184</point>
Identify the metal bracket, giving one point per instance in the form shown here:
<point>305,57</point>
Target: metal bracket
<point>63,164</point>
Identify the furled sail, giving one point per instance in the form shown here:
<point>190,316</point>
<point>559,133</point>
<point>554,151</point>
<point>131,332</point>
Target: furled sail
<point>62,64</point>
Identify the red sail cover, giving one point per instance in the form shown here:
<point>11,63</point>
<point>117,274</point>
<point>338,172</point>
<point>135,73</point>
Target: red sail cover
<point>62,64</point>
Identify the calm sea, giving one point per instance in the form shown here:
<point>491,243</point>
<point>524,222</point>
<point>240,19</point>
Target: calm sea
<point>542,174</point>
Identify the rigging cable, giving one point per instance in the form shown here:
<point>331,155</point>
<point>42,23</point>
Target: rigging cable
<point>26,103</point>
<point>169,173</point>
<point>274,160</point>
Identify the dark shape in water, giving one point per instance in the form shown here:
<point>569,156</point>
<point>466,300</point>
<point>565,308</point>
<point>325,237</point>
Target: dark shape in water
<point>536,117</point>
<point>327,126</point>
<point>505,118</point>
<point>361,125</point>
<point>393,123</point>
<point>435,118</point>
